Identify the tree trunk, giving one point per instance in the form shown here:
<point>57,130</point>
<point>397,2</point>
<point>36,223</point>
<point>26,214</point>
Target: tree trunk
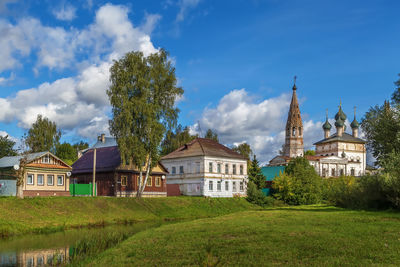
<point>148,167</point>
<point>138,194</point>
<point>20,192</point>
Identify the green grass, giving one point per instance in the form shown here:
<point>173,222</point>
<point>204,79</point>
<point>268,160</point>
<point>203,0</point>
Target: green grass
<point>44,215</point>
<point>305,235</point>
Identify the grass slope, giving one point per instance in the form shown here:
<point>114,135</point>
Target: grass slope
<point>307,235</point>
<point>18,216</point>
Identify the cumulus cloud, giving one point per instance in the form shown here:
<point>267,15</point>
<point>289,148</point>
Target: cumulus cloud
<point>65,12</point>
<point>78,104</point>
<point>240,117</point>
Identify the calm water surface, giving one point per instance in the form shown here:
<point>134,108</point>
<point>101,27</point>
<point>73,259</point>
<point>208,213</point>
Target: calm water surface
<point>50,249</point>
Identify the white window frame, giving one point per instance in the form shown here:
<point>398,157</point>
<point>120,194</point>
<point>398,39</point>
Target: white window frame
<point>241,170</point>
<point>226,168</point>
<point>219,167</point>
<point>234,168</point>
<point>42,175</point>
<point>241,186</point>
<point>52,179</point>
<point>210,167</point>
<point>33,178</point>
<point>210,185</point>
<point>63,177</point>
<point>234,189</point>
<point>46,159</point>
<point>173,170</point>
<point>226,185</point>
<point>219,186</point>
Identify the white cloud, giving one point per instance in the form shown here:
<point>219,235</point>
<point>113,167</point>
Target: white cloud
<point>239,117</point>
<point>184,7</point>
<point>66,12</point>
<point>77,104</point>
<point>150,23</point>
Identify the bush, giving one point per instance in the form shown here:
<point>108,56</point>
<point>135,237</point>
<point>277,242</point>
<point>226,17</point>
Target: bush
<point>299,184</point>
<point>256,196</point>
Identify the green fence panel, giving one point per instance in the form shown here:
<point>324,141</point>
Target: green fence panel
<point>81,189</point>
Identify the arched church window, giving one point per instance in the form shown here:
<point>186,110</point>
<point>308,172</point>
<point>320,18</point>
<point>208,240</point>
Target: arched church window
<point>294,131</point>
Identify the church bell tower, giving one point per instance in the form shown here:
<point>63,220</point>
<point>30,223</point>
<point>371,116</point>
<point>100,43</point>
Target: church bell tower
<point>294,146</point>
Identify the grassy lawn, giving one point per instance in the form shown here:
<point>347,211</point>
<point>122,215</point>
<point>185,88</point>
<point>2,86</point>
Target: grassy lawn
<point>19,216</point>
<point>305,235</point>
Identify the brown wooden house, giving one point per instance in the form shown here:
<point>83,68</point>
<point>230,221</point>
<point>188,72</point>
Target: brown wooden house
<point>117,178</point>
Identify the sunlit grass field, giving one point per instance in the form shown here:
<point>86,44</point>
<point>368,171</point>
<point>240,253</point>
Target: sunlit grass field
<point>292,236</point>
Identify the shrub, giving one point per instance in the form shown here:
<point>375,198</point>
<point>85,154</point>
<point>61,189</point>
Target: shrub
<point>299,184</point>
<point>256,196</point>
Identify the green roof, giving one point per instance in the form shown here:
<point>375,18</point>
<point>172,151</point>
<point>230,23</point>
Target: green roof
<point>270,172</point>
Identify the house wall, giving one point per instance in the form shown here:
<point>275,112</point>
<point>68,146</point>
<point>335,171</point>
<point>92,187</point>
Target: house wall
<point>195,178</point>
<point>8,187</point>
<point>37,189</point>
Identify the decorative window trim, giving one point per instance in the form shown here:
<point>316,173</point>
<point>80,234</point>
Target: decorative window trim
<point>33,178</point>
<point>226,186</point>
<point>46,159</point>
<point>52,179</point>
<point>219,186</point>
<point>62,179</point>
<point>210,185</point>
<point>124,180</point>
<point>157,181</point>
<point>226,168</point>
<point>42,175</point>
<point>241,186</point>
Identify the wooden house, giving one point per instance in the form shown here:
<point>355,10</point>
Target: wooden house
<point>45,175</point>
<point>114,177</point>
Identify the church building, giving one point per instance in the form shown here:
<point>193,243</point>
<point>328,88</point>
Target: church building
<point>338,154</point>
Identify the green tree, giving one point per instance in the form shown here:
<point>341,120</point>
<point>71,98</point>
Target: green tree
<point>80,146</point>
<point>67,153</point>
<point>7,147</point>
<point>175,139</point>
<point>299,184</point>
<point>210,134</point>
<point>244,149</point>
<point>43,135</point>
<point>396,93</point>
<point>142,94</point>
<point>255,174</point>
<point>309,153</point>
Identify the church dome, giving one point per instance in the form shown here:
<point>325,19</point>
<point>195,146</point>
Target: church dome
<point>327,125</point>
<point>340,114</point>
<point>354,124</point>
<point>339,122</point>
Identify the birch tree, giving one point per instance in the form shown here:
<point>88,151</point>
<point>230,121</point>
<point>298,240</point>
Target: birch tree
<point>142,94</point>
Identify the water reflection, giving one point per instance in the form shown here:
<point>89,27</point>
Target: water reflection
<point>56,248</point>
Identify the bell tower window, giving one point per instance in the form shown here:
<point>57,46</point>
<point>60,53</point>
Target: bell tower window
<point>299,131</point>
<point>294,131</point>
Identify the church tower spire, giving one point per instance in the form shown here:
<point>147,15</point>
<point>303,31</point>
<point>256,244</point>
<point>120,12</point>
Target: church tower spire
<point>294,146</point>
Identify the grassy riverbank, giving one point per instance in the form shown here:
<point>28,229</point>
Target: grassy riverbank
<point>305,235</point>
<point>41,215</point>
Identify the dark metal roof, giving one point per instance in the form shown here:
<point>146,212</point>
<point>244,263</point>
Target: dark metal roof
<point>107,159</point>
<point>203,147</point>
<point>348,138</point>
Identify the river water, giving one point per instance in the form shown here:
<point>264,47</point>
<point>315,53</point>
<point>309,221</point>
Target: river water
<point>56,248</point>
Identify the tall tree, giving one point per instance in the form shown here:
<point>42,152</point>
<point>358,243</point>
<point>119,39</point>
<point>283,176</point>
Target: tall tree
<point>255,174</point>
<point>7,147</point>
<point>43,135</point>
<point>175,139</point>
<point>142,94</point>
<point>67,153</point>
<point>210,134</point>
<point>309,153</point>
<point>244,149</point>
<point>80,146</point>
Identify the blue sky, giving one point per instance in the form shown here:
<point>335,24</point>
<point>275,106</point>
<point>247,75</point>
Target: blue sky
<point>235,60</point>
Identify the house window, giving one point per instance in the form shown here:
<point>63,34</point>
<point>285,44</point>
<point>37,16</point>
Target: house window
<point>40,260</point>
<point>333,172</point>
<point>180,169</point>
<point>219,167</point>
<point>124,180</point>
<point>50,179</point>
<point>241,187</point>
<point>352,172</point>
<point>226,186</point>
<point>173,170</point>
<point>234,168</point>
<point>60,180</point>
<point>46,159</point>
<point>210,167</point>
<point>234,186</point>
<point>341,172</point>
<point>323,172</point>
<point>218,185</point>
<point>157,181</point>
<point>241,169</point>
<point>210,185</point>
<point>226,168</point>
<point>149,180</point>
<point>40,178</point>
<point>197,167</point>
<point>30,178</point>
